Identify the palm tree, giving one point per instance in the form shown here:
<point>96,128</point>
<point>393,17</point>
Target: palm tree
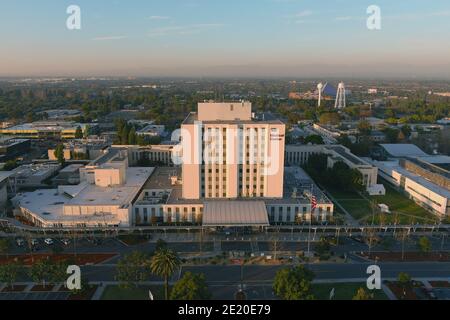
<point>164,263</point>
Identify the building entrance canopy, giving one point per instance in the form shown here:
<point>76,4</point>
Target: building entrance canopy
<point>235,214</point>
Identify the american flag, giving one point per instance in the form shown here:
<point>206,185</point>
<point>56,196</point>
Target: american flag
<point>313,203</point>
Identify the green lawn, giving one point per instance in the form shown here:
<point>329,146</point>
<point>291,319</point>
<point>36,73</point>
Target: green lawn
<point>343,291</point>
<point>407,210</point>
<point>344,195</point>
<point>404,210</point>
<point>357,208</point>
<point>141,293</point>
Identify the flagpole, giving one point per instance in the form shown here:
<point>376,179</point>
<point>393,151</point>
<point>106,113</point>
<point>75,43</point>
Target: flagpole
<point>310,220</point>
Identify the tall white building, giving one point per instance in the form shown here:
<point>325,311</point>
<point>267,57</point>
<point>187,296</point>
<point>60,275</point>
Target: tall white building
<point>228,153</point>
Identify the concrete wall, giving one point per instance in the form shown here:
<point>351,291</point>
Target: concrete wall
<point>212,111</point>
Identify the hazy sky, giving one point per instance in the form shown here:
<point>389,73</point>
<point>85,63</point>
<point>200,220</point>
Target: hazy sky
<point>295,38</point>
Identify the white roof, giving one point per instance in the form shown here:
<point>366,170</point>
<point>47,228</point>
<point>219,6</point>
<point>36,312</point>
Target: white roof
<point>438,159</point>
<point>235,213</point>
<point>388,166</point>
<point>49,203</point>
<point>403,150</point>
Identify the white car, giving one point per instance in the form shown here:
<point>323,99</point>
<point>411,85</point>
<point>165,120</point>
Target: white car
<point>66,242</point>
<point>20,242</point>
<point>48,241</point>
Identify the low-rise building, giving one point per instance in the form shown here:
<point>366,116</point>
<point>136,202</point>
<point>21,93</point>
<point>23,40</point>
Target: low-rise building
<point>161,202</point>
<point>104,198</point>
<point>83,149</point>
<point>425,192</point>
<point>152,130</point>
<point>32,175</point>
<point>13,148</point>
<point>46,130</point>
<point>299,155</point>
<point>4,177</point>
<point>150,155</point>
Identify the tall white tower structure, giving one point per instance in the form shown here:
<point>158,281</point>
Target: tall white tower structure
<point>320,89</point>
<point>340,97</point>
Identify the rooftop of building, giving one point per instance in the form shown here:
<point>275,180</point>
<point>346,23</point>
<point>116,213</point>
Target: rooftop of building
<point>8,142</point>
<point>49,203</point>
<point>47,126</point>
<point>399,150</point>
<point>347,155</point>
<point>265,118</point>
<point>298,186</point>
<point>71,168</point>
<point>429,166</point>
<point>161,178</point>
<point>395,165</point>
<point>40,169</point>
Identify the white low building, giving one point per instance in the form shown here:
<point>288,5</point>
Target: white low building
<point>424,192</point>
<point>104,198</point>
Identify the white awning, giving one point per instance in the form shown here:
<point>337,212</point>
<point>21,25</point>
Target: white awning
<point>235,214</point>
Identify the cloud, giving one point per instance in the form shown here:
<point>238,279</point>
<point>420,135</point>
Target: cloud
<point>182,30</point>
<point>108,38</point>
<point>404,16</point>
<point>305,13</point>
<point>159,18</point>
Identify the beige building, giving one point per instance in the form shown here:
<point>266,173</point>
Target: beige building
<point>229,153</point>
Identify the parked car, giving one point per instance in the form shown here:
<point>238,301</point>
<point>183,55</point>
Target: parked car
<point>34,242</point>
<point>49,241</point>
<point>65,242</point>
<point>20,242</point>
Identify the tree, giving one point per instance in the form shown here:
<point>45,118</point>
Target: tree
<point>132,136</point>
<point>164,264</point>
<point>8,273</point>
<point>406,130</point>
<point>330,118</point>
<point>364,128</point>
<point>58,273</point>
<point>41,271</point>
<point>391,135</point>
<point>160,244</point>
<point>79,133</point>
<point>314,139</point>
<point>362,294</point>
<point>132,268</point>
<point>5,245</point>
<point>404,279</point>
<point>424,244</point>
<point>10,165</point>
<point>323,247</point>
<point>294,283</point>
<point>190,287</point>
<point>59,154</point>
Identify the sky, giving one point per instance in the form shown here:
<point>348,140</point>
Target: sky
<point>232,38</point>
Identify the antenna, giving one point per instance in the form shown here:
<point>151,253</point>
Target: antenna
<point>340,97</point>
<point>320,89</point>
